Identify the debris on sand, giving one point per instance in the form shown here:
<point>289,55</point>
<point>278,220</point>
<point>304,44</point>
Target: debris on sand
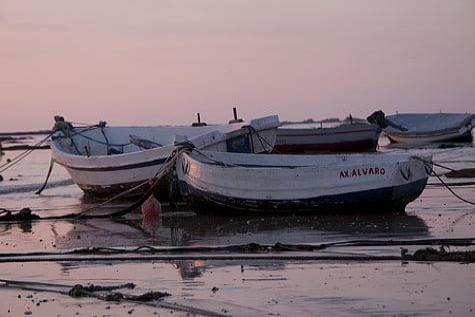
<point>25,214</point>
<point>431,254</point>
<point>79,290</point>
<point>462,173</point>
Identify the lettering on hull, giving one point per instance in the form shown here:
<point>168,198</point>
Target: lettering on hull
<point>359,172</point>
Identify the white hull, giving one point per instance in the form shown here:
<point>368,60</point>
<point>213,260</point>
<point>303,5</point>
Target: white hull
<point>463,134</point>
<point>111,174</point>
<point>289,182</point>
<point>431,127</point>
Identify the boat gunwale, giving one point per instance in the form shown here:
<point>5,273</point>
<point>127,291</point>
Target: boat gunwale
<point>397,158</point>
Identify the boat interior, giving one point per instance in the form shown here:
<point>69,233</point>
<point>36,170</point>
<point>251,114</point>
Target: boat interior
<point>119,140</point>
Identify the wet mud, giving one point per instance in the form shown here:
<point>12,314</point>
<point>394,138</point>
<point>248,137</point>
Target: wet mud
<point>421,284</point>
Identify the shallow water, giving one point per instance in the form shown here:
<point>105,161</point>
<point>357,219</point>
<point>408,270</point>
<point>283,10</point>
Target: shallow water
<point>261,287</point>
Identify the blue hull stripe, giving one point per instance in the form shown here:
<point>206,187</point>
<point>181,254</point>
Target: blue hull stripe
<point>381,199</point>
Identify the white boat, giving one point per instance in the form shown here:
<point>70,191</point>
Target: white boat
<point>110,160</point>
<point>430,127</point>
<point>381,182</point>
<point>355,137</point>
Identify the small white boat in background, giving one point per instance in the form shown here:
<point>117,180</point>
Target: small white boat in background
<point>272,182</point>
<point>108,160</point>
<point>430,127</point>
<point>346,137</point>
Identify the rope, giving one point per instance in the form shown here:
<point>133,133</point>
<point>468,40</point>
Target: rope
<point>429,163</point>
<point>51,163</point>
<point>458,256</point>
<point>261,139</point>
<point>153,182</point>
<point>164,168</point>
<point>433,163</point>
<point>98,141</point>
<point>105,138</point>
<point>243,248</point>
<point>21,156</point>
<point>451,190</point>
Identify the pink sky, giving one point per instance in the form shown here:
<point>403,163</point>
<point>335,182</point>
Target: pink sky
<point>160,62</point>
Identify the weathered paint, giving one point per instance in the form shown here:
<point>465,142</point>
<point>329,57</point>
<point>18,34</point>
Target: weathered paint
<point>388,199</point>
<point>390,180</point>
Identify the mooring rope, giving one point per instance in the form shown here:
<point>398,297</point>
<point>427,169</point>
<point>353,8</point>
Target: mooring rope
<point>452,191</point>
<point>12,162</point>
<point>152,181</point>
<point>429,164</point>
<point>242,248</point>
<point>428,254</point>
<point>50,169</point>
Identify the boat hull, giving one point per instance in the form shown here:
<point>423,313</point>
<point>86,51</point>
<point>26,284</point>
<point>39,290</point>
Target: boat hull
<point>107,175</point>
<point>347,138</point>
<point>339,184</point>
<point>463,134</point>
<point>424,128</point>
<point>384,200</point>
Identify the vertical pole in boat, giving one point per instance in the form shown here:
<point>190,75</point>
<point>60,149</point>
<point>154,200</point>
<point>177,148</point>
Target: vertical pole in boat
<point>199,123</point>
<point>235,120</point>
<point>235,113</point>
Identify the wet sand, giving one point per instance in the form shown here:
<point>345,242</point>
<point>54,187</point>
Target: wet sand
<point>244,287</point>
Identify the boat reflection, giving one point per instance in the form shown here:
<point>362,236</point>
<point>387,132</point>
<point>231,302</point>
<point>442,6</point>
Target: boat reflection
<point>189,229</point>
<point>291,228</point>
<point>186,228</point>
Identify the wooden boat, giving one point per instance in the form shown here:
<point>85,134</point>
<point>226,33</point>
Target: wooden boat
<point>430,127</point>
<point>272,182</point>
<point>108,160</point>
<point>355,137</point>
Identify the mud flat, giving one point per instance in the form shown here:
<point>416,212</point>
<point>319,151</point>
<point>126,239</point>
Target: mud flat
<point>255,288</point>
<point>240,287</point>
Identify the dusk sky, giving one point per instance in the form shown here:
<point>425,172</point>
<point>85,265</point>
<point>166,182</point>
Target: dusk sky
<point>160,62</point>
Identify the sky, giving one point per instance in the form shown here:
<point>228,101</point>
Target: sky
<point>148,62</point>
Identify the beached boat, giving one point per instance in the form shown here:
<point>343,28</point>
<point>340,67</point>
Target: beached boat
<point>108,160</point>
<point>430,127</point>
<point>346,137</point>
<point>272,182</point>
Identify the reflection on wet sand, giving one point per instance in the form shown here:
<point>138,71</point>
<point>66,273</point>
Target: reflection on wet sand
<point>215,230</point>
<point>189,229</point>
<point>190,269</point>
